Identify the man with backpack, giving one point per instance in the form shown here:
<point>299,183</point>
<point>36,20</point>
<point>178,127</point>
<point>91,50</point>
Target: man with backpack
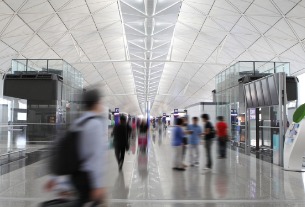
<point>209,134</point>
<point>81,153</point>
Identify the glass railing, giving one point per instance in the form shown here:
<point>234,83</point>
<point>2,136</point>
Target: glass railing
<point>70,75</point>
<point>13,128</point>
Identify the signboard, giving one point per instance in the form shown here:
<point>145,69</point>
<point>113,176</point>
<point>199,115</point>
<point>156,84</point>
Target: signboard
<point>252,114</point>
<point>233,112</point>
<point>175,112</point>
<point>116,111</point>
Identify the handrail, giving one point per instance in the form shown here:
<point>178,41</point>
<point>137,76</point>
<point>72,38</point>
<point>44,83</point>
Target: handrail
<point>48,124</point>
<point>16,130</point>
<point>2,126</point>
<point>8,153</point>
<point>269,127</point>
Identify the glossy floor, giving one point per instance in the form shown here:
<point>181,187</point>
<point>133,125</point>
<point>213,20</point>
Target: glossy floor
<point>148,180</point>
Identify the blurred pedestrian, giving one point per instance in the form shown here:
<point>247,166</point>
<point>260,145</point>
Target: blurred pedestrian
<point>177,144</point>
<point>184,139</point>
<point>134,128</point>
<point>209,134</point>
<point>143,135</point>
<point>90,181</point>
<point>194,140</point>
<point>81,153</point>
<point>121,140</point>
<point>160,126</point>
<point>222,134</point>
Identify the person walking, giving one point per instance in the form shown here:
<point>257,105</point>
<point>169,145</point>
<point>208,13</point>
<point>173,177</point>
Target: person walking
<point>121,141</point>
<point>208,136</point>
<point>178,135</point>
<point>194,140</point>
<point>89,182</point>
<point>143,136</point>
<point>134,128</point>
<point>221,129</point>
<point>184,139</point>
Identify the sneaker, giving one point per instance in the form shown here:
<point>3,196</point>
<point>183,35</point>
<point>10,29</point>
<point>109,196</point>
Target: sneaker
<point>178,169</point>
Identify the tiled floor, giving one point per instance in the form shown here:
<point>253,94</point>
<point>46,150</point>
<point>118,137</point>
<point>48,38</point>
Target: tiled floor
<point>239,181</point>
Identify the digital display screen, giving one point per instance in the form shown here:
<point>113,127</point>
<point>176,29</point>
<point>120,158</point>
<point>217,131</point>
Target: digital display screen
<point>292,132</point>
<point>252,114</point>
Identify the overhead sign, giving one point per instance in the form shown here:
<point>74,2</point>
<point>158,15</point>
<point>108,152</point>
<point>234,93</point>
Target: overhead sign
<point>175,112</point>
<point>116,111</point>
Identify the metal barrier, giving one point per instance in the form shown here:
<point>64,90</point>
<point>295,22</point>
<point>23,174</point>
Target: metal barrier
<point>12,156</point>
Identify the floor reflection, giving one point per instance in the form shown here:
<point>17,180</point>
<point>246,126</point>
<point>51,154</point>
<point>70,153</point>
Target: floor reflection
<point>179,190</point>
<point>120,189</point>
<point>147,176</point>
<point>142,164</point>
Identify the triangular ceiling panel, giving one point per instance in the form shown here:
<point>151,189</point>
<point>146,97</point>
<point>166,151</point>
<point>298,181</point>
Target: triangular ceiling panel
<point>99,6</point>
<point>262,8</point>
<point>242,6</point>
<point>264,23</point>
<point>243,26</point>
<point>167,42</point>
<point>201,6</point>
<point>298,26</point>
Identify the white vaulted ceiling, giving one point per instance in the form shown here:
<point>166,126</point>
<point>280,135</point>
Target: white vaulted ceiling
<point>149,28</point>
<point>165,51</point>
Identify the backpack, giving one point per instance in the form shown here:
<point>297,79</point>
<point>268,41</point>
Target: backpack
<point>66,157</point>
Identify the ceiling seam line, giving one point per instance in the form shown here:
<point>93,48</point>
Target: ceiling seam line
<point>105,49</point>
<point>191,46</point>
<point>215,49</point>
<point>77,42</point>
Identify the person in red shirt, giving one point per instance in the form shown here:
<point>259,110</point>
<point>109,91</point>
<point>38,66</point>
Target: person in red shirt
<point>221,129</point>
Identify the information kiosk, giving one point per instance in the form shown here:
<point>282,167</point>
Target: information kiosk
<point>294,146</point>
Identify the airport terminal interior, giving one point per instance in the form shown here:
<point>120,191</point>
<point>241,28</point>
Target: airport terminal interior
<point>158,64</point>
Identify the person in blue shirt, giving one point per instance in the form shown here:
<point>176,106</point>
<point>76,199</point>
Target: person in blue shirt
<point>178,135</point>
<point>194,141</point>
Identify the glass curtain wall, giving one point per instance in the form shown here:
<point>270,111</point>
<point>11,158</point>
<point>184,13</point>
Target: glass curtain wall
<point>230,96</point>
<point>13,116</point>
<point>54,115</point>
